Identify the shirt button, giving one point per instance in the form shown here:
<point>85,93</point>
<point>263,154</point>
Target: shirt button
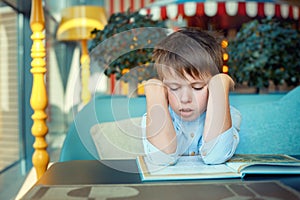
<point>192,135</point>
<point>204,153</point>
<point>192,153</point>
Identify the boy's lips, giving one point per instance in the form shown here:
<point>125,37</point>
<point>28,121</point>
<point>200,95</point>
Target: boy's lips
<point>185,112</point>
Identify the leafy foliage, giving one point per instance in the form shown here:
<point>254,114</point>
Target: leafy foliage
<point>264,51</point>
<point>126,43</point>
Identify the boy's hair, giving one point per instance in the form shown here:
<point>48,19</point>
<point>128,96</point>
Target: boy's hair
<point>189,51</point>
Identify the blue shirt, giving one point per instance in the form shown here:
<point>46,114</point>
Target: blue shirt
<point>190,141</point>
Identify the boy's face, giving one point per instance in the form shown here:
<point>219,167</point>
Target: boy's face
<point>187,97</point>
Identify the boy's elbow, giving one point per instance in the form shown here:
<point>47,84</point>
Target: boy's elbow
<point>215,159</point>
<point>162,159</point>
<point>209,160</point>
<point>222,150</point>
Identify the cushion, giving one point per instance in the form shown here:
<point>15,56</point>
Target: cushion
<point>118,140</point>
<point>271,127</point>
<point>267,128</point>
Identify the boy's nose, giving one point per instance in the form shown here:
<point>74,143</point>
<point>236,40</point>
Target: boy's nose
<point>186,96</point>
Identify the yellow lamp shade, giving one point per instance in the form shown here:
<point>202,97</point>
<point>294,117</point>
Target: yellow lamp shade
<point>78,21</point>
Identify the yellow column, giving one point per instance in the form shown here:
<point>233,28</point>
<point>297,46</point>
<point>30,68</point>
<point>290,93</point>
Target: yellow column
<point>85,73</point>
<point>38,99</point>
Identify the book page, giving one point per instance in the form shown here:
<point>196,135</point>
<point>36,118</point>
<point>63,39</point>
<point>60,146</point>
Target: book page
<point>193,167</point>
<point>263,162</point>
<point>188,165</point>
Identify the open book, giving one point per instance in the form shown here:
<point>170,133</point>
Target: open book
<point>192,167</point>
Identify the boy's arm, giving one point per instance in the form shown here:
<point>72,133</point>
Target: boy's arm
<point>159,127</point>
<point>218,118</point>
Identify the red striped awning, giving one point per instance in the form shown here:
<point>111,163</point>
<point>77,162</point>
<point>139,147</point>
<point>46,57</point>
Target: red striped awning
<point>230,8</point>
<point>172,9</point>
<point>115,6</point>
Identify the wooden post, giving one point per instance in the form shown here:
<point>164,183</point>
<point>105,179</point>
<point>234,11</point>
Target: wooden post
<point>38,99</point>
<point>85,72</point>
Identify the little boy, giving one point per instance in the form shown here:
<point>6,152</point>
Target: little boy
<point>188,111</point>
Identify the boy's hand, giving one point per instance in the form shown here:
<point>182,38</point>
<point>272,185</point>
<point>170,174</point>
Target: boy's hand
<point>155,88</point>
<point>221,81</point>
<point>218,107</point>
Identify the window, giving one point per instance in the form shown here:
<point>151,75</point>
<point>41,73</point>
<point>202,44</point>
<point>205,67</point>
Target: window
<point>9,128</point>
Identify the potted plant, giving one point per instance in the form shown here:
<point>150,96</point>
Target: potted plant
<point>265,51</point>
<point>124,47</point>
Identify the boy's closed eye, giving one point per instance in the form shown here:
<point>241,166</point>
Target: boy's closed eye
<point>173,87</point>
<point>198,86</point>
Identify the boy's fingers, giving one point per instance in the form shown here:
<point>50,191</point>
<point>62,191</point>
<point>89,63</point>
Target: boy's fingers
<point>153,82</point>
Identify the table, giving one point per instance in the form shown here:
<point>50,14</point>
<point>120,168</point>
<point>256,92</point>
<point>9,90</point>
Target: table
<point>120,178</point>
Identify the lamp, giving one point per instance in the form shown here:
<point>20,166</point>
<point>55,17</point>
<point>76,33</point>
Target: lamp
<point>76,25</point>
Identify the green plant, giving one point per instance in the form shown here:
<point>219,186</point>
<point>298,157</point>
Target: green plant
<point>264,51</point>
<point>125,43</point>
